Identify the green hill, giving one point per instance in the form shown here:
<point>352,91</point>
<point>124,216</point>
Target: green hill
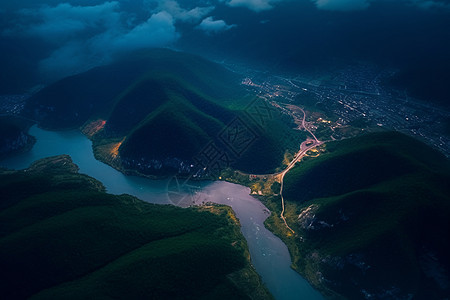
<point>63,237</point>
<point>361,162</point>
<point>372,218</point>
<point>70,102</point>
<point>164,108</point>
<point>173,126</point>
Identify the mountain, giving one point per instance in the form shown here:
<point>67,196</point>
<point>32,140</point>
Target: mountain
<point>72,101</point>
<point>371,217</point>
<point>159,110</point>
<point>63,237</point>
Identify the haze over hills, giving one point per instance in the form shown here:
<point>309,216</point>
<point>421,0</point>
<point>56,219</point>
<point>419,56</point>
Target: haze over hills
<point>38,47</point>
<point>374,208</point>
<point>159,109</point>
<point>73,100</point>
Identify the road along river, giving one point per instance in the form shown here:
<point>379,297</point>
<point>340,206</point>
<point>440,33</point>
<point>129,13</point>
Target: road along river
<point>269,254</point>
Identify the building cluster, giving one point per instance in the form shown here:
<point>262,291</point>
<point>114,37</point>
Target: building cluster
<point>356,96</point>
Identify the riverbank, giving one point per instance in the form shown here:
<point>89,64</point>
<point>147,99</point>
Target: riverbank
<point>246,279</point>
<point>266,188</point>
<point>118,246</point>
<point>266,185</point>
<point>269,255</point>
<point>310,271</point>
<point>107,151</point>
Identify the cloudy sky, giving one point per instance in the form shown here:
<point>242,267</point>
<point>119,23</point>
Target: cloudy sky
<point>52,39</point>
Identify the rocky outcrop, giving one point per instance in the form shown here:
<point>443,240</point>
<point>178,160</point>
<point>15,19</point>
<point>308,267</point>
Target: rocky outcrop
<point>20,142</point>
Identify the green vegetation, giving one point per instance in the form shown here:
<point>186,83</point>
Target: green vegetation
<point>309,101</point>
<point>62,236</point>
<point>167,107</point>
<point>371,217</point>
<point>359,163</point>
<point>175,129</point>
<point>70,102</point>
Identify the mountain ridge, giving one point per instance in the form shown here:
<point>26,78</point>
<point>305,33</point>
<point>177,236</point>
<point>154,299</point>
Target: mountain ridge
<point>164,112</point>
<point>378,230</point>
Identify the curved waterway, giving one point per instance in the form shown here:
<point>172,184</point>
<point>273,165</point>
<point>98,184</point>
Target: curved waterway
<point>269,254</point>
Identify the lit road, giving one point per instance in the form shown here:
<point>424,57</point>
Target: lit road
<point>303,149</point>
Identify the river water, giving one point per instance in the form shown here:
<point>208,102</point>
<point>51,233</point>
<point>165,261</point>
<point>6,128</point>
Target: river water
<point>269,254</point>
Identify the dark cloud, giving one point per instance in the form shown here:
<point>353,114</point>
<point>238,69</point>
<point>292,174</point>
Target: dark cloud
<point>192,15</point>
<point>210,26</point>
<point>80,55</point>
<point>65,20</point>
<point>69,36</point>
<point>86,36</point>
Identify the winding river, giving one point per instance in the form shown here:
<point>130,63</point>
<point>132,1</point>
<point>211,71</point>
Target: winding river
<point>269,254</point>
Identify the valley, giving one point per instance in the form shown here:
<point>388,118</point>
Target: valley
<point>167,94</point>
<point>316,165</point>
<point>61,235</point>
<point>225,149</point>
<point>355,98</point>
<point>269,255</point>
